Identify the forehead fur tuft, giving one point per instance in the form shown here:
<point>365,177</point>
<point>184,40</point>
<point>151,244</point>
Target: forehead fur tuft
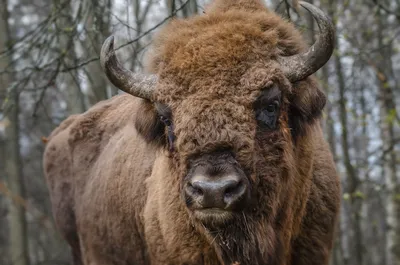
<point>229,32</point>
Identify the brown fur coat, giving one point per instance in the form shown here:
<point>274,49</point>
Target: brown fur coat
<point>116,189</point>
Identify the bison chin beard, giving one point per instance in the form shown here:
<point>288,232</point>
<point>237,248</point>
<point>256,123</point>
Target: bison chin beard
<point>242,240</point>
<point>239,237</point>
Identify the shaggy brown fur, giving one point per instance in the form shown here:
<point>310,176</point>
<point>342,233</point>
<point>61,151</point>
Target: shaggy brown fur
<point>116,188</point>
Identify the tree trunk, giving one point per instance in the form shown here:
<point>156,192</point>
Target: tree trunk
<point>310,26</point>
<point>190,9</point>
<point>384,73</point>
<point>193,7</point>
<point>337,255</point>
<point>97,27</point>
<point>68,81</point>
<point>352,181</point>
<point>171,7</point>
<point>19,251</point>
<point>3,203</point>
<point>140,18</point>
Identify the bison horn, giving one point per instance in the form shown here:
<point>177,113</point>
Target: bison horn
<point>138,85</point>
<point>300,66</point>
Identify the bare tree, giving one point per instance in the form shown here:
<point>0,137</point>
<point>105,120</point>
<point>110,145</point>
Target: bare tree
<point>51,69</point>
<point>384,72</point>
<point>352,180</point>
<point>98,17</point>
<point>66,27</point>
<point>171,5</point>
<point>190,9</point>
<point>19,254</point>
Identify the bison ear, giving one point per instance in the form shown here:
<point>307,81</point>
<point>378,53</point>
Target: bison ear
<point>148,123</point>
<point>306,104</point>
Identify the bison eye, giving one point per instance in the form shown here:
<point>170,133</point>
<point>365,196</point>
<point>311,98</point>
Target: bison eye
<point>271,109</point>
<point>167,122</point>
<point>170,131</point>
<point>268,116</point>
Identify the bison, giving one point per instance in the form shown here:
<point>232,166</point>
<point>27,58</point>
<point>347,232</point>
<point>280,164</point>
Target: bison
<point>214,156</point>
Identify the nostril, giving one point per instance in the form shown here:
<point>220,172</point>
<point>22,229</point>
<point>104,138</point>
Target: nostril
<point>194,189</point>
<point>233,188</point>
<point>234,192</point>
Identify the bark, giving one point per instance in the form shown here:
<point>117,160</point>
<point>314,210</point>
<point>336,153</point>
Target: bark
<point>363,143</point>
<point>3,203</point>
<point>171,5</point>
<point>66,28</point>
<point>138,26</point>
<point>18,245</point>
<point>329,130</point>
<point>329,126</point>
<point>384,73</point>
<point>276,4</point>
<point>140,18</point>
<point>190,9</point>
<point>337,254</point>
<point>352,180</point>
<point>97,26</point>
<point>310,26</point>
<point>193,7</point>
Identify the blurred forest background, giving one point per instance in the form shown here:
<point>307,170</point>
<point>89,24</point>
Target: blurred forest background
<point>49,69</point>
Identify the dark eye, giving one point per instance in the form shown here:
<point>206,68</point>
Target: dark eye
<point>268,116</point>
<point>272,108</point>
<point>167,122</point>
<point>170,131</point>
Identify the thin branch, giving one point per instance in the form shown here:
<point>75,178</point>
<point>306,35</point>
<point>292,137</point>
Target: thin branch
<point>386,9</point>
<point>129,42</point>
<point>43,219</point>
<point>34,32</point>
<point>49,83</point>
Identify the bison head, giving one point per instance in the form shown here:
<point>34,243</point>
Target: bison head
<point>228,99</point>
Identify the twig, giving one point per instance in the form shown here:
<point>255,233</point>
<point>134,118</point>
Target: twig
<point>38,28</point>
<point>129,42</point>
<point>51,81</point>
<point>18,200</point>
<point>386,9</point>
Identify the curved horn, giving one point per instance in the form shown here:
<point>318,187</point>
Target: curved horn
<point>300,66</point>
<point>138,85</point>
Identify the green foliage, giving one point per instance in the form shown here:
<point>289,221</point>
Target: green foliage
<point>391,117</point>
<point>358,194</point>
<point>68,29</point>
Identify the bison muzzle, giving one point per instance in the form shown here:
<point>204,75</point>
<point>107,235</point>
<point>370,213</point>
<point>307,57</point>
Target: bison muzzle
<point>215,188</point>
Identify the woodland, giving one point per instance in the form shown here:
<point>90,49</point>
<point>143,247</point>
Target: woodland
<point>50,69</point>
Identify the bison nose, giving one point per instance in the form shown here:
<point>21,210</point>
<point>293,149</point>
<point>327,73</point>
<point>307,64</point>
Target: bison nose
<point>218,192</point>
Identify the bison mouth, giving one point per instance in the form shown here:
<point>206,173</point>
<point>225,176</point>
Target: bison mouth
<point>213,217</point>
<point>216,189</point>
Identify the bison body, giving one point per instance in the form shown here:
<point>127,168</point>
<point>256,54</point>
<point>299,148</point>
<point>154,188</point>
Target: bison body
<point>223,161</point>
